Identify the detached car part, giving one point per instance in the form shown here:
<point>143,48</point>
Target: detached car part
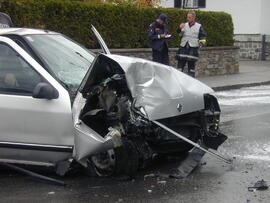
<point>32,174</point>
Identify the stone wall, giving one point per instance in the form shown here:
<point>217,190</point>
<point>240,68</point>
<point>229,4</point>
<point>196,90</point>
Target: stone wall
<point>218,61</point>
<point>213,60</point>
<point>250,46</point>
<point>253,47</point>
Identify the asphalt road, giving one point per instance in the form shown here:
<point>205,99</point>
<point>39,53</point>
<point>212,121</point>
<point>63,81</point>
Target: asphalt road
<point>246,121</point>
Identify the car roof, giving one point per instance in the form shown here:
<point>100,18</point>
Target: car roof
<point>25,31</point>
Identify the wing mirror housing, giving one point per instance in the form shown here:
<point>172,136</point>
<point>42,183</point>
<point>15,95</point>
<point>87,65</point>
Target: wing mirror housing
<point>44,90</point>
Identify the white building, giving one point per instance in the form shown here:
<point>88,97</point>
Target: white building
<point>251,20</point>
<point>249,16</point>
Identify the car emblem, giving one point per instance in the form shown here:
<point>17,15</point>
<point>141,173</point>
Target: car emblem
<point>179,107</point>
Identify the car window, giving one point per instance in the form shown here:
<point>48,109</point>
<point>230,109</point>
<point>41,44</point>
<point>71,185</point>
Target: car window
<point>68,60</point>
<point>16,75</point>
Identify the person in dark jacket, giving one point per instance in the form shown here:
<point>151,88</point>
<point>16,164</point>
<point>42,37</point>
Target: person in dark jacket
<point>5,21</point>
<point>193,38</point>
<point>158,34</point>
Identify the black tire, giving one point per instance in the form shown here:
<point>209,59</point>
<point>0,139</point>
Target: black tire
<point>126,161</point>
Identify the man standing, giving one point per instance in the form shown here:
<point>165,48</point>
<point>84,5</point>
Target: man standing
<point>159,35</point>
<point>193,38</point>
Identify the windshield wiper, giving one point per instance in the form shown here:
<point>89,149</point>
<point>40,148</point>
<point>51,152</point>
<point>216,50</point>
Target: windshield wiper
<point>83,57</point>
<point>64,84</point>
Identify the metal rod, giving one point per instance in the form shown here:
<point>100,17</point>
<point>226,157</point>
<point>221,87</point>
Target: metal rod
<point>32,174</point>
<point>228,161</point>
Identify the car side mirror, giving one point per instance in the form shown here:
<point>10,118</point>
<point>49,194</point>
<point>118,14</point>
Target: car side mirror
<point>44,90</point>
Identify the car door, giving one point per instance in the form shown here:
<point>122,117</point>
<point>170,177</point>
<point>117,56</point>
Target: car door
<point>101,42</point>
<point>88,142</point>
<point>32,130</point>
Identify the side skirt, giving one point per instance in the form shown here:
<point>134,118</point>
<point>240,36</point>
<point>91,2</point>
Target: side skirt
<point>30,146</point>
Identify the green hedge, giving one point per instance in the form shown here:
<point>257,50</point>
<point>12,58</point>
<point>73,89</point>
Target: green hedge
<point>120,26</point>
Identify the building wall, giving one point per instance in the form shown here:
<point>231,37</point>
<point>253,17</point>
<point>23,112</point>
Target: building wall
<point>251,21</point>
<point>246,14</point>
<point>265,17</point>
<point>167,3</point>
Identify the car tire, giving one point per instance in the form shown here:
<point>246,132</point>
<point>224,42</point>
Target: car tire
<point>122,160</point>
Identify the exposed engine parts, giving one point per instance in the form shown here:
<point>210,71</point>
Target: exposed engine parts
<point>110,110</point>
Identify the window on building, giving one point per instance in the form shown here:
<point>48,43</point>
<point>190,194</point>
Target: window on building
<point>202,3</point>
<point>190,4</point>
<point>178,3</point>
<point>193,4</point>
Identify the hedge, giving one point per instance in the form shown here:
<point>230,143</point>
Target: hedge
<point>120,26</point>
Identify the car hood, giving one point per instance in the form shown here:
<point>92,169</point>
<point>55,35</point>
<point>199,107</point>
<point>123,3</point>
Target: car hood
<point>160,91</point>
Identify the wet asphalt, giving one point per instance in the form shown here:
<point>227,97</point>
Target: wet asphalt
<point>246,121</point>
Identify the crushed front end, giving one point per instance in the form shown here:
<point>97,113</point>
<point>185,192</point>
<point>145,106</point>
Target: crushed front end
<point>123,96</point>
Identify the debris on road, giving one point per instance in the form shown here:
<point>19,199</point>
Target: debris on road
<point>162,182</point>
<point>51,193</point>
<point>32,174</point>
<point>189,164</point>
<point>259,185</point>
<point>151,175</point>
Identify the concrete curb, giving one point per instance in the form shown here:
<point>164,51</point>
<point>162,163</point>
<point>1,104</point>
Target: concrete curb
<point>238,86</point>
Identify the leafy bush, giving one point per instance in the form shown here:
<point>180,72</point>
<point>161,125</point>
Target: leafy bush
<point>121,26</point>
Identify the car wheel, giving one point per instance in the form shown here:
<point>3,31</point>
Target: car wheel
<point>104,163</point>
<point>122,160</point>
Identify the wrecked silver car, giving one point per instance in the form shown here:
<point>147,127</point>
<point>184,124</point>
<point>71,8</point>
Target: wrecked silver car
<point>61,103</point>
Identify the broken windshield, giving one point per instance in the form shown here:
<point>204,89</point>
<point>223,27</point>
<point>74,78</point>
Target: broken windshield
<point>67,60</point>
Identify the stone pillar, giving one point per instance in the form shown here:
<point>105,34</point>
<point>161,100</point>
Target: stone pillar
<point>267,48</point>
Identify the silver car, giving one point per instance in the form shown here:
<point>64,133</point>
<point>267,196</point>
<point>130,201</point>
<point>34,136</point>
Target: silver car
<point>61,103</point>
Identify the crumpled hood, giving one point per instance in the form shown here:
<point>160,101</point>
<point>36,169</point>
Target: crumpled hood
<point>161,90</point>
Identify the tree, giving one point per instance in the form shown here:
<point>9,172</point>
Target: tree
<point>148,3</point>
<point>139,3</point>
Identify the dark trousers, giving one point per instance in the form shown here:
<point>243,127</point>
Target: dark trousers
<point>182,60</point>
<point>161,56</point>
<point>191,66</point>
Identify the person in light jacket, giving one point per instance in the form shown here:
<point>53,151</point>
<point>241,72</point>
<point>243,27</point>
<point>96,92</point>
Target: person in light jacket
<point>193,38</point>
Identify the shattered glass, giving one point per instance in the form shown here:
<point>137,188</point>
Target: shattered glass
<point>67,60</point>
